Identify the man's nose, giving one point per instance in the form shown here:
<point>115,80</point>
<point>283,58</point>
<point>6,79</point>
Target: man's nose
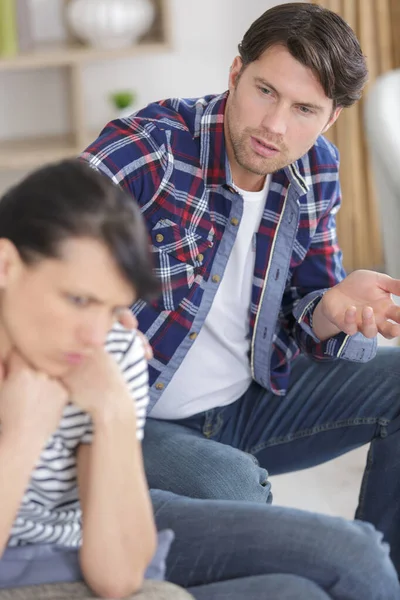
<point>276,119</point>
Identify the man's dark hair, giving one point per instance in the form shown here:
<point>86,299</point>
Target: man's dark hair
<point>319,39</point>
<point>67,200</point>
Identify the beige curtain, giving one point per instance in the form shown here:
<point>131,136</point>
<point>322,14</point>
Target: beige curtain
<point>377,26</point>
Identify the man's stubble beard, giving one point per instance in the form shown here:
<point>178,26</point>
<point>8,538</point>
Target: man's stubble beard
<point>257,165</point>
<point>246,158</point>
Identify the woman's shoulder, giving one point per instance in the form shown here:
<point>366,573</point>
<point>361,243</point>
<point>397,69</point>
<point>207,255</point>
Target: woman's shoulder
<point>128,349</point>
<point>126,345</point>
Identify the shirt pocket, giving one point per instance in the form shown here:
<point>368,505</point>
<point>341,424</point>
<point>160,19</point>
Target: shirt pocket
<point>180,259</point>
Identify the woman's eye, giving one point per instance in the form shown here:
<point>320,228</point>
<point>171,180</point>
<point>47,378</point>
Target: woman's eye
<point>78,300</point>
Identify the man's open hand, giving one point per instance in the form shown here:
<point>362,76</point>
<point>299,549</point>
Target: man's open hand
<point>363,303</point>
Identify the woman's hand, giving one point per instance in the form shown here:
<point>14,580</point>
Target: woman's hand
<point>31,403</point>
<point>98,387</point>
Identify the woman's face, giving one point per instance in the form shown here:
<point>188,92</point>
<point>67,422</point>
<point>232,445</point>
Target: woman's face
<point>56,312</point>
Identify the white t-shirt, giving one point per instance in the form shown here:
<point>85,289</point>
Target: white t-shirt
<point>216,370</point>
<point>50,512</point>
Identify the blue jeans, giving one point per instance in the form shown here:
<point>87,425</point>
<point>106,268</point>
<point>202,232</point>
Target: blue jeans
<point>226,550</point>
<point>229,550</point>
<point>330,408</point>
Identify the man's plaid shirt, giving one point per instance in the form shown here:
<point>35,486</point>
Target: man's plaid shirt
<point>171,158</point>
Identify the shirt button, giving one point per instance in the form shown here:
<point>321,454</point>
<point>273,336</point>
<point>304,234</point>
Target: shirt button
<point>234,221</point>
<point>159,237</point>
<point>215,278</point>
<point>159,386</point>
<point>193,335</point>
<point>200,257</point>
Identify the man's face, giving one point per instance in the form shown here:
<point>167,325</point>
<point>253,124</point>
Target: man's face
<point>56,312</point>
<point>275,111</point>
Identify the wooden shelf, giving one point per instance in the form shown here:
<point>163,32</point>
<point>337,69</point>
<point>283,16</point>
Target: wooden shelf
<point>33,152</point>
<point>73,56</point>
<point>66,54</point>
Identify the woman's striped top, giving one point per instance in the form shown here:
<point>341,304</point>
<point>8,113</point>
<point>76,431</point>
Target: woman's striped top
<point>50,511</point>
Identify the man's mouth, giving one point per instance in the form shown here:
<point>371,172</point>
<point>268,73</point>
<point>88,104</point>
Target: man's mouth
<point>264,148</point>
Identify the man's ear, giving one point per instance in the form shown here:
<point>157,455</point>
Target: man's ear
<point>234,72</point>
<point>333,118</point>
<point>9,259</point>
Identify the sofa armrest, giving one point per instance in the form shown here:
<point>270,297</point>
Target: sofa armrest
<point>161,590</point>
<point>151,590</point>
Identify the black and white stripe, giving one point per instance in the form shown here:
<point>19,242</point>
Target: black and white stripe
<point>50,511</point>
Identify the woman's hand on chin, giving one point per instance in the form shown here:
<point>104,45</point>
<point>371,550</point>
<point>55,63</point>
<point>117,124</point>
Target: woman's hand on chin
<point>98,388</point>
<point>31,402</point>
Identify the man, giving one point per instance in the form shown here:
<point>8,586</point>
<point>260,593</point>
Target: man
<point>240,193</point>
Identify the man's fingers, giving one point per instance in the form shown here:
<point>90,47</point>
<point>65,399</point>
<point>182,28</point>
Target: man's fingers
<point>393,313</point>
<point>350,321</point>
<point>368,324</point>
<point>389,330</point>
<point>360,321</point>
<point>389,284</point>
<point>127,319</point>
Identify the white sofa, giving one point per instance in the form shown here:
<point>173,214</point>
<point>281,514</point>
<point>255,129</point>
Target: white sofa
<point>382,122</point>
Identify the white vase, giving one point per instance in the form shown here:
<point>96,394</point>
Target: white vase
<point>110,24</point>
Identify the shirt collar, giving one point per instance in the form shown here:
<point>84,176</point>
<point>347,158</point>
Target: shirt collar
<point>213,158</point>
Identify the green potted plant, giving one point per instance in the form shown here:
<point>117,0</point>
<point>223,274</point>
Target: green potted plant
<point>123,101</point>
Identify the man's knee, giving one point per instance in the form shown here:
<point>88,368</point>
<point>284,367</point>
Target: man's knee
<point>182,461</point>
<point>231,474</point>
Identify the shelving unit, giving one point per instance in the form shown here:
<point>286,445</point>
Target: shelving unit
<point>73,57</point>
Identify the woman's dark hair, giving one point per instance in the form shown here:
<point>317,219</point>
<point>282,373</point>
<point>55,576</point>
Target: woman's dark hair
<point>319,39</point>
<point>72,200</point>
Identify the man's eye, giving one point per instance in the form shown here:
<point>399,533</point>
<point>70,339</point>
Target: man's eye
<point>305,110</point>
<point>264,90</point>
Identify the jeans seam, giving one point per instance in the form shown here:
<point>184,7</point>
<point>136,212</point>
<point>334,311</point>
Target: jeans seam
<point>363,489</point>
<point>318,429</point>
<point>368,467</point>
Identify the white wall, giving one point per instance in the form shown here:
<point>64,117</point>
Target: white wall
<point>204,43</point>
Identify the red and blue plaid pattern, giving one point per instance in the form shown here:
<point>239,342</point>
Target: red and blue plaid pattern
<point>171,158</point>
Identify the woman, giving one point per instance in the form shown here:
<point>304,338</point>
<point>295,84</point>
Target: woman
<point>73,258</point>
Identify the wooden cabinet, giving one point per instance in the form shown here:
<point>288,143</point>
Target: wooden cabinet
<point>73,57</point>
